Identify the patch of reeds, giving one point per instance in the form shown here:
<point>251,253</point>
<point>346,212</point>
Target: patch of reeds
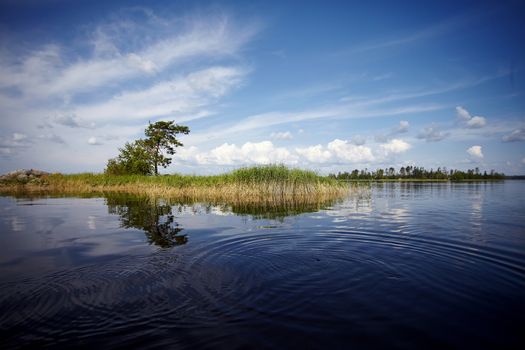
<point>253,184</point>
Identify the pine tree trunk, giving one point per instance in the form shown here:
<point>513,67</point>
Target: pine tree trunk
<point>157,159</point>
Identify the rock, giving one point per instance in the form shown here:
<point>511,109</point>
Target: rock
<point>38,173</point>
<point>23,175</point>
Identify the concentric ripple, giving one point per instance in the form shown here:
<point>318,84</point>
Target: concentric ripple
<point>394,272</point>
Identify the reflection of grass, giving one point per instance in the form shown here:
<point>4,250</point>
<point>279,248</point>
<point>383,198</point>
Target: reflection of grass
<point>254,184</point>
<point>278,210</point>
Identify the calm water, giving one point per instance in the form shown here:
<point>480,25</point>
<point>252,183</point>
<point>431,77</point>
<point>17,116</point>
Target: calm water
<point>401,266</point>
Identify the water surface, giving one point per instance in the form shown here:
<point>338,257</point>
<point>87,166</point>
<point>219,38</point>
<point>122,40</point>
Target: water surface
<point>403,265</point>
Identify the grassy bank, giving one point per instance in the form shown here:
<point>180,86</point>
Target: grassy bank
<point>253,184</point>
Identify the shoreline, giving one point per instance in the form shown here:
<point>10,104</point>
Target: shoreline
<point>250,185</point>
<point>425,180</point>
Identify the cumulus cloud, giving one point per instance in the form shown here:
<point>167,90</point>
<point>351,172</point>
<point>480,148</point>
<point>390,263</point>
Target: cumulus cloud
<point>265,152</point>
<point>469,121</point>
<point>432,134</point>
<point>395,146</point>
<point>347,152</point>
<point>315,154</point>
<point>515,136</point>
<point>281,135</point>
<point>337,151</point>
<point>475,151</point>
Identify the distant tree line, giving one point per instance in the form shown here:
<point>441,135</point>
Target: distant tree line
<point>414,172</point>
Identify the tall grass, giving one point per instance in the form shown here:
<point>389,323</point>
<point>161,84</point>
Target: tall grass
<point>251,184</point>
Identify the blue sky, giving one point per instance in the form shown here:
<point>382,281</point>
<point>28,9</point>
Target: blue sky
<point>322,85</point>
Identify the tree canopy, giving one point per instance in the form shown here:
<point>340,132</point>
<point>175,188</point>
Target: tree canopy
<point>160,138</point>
<point>144,156</point>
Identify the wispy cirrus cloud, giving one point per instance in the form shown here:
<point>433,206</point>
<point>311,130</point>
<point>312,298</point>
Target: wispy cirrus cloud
<point>190,95</point>
<point>133,67</point>
<point>345,111</point>
<point>48,70</point>
<point>515,136</point>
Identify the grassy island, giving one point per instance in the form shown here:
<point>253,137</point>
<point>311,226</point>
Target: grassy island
<point>252,184</point>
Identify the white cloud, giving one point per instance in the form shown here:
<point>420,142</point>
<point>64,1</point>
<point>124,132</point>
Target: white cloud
<point>134,67</point>
<point>230,154</point>
<point>336,151</point>
<point>395,146</point>
<point>523,160</point>
<point>469,121</point>
<point>187,154</point>
<point>515,136</point>
<point>476,122</point>
<point>265,152</point>
<point>475,151</point>
<point>281,135</point>
<point>432,134</point>
<point>47,71</point>
<point>347,152</point>
<point>186,95</point>
<point>93,141</point>
<point>462,113</point>
<point>315,154</point>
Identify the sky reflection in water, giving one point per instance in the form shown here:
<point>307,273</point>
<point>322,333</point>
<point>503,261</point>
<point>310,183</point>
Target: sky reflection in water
<point>402,265</point>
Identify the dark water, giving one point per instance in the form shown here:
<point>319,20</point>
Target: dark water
<point>401,266</point>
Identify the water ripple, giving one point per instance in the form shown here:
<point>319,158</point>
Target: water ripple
<point>386,276</point>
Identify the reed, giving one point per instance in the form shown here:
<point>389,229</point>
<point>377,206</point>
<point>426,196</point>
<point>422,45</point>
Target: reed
<point>253,185</point>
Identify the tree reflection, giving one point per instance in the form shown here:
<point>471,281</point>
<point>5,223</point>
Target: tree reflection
<point>152,216</point>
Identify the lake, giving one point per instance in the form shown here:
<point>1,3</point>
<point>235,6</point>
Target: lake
<point>401,265</point>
